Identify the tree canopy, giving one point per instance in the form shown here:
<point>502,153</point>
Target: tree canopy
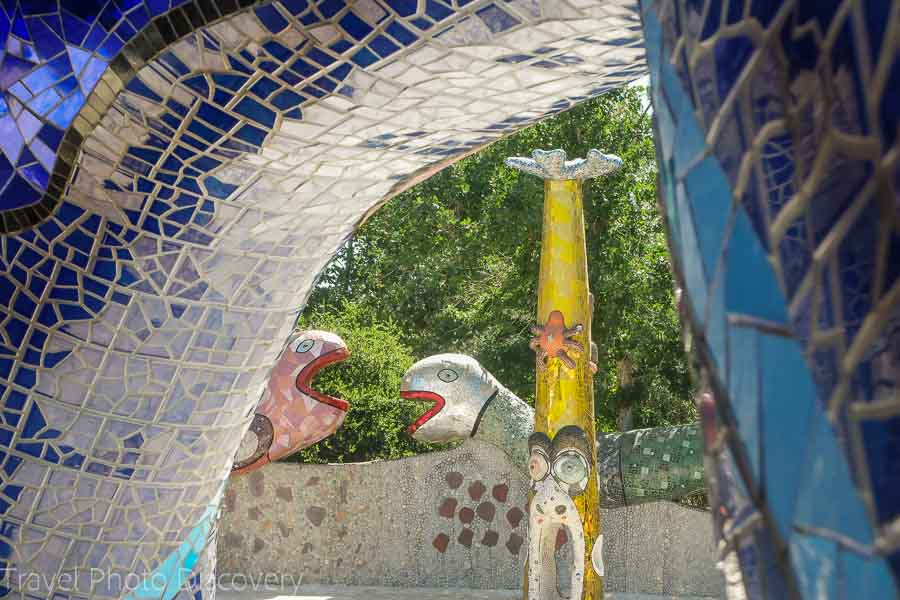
<point>451,265</point>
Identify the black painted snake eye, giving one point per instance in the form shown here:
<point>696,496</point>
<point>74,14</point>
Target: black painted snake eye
<point>448,375</point>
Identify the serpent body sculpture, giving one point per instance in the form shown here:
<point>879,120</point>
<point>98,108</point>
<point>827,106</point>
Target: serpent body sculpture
<point>635,467</point>
<point>291,415</point>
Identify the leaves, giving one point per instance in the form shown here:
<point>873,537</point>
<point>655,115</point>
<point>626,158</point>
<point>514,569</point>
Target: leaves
<point>452,265</point>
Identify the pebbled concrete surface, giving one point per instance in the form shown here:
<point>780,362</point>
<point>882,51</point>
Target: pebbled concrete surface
<point>319,592</point>
<point>452,519</point>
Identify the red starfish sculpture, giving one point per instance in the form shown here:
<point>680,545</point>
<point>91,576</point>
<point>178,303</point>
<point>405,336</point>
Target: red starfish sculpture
<point>554,340</point>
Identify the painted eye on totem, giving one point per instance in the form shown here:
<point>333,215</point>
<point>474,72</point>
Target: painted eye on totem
<point>304,346</point>
<point>448,375</point>
<point>570,467</point>
<point>538,467</point>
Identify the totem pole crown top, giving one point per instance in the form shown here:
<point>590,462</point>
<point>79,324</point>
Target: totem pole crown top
<point>552,164</point>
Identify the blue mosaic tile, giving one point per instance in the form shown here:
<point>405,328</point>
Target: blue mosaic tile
<point>827,476</point>
<point>815,562</point>
<point>809,200</point>
<point>750,287</point>
<point>882,454</point>
<point>743,378</point>
<point>150,262</point>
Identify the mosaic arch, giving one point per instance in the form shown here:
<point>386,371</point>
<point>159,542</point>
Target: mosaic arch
<point>218,160</point>
<point>173,176</point>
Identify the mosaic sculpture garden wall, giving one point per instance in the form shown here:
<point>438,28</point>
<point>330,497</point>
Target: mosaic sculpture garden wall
<point>454,518</point>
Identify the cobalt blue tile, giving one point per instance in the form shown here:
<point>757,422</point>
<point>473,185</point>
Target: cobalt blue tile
<point>876,20</point>
<point>295,7</point>
<point>856,267</point>
<point>836,193</point>
<point>889,106</point>
<point>437,10</point>
<point>795,255</point>
<point>383,46</point>
<point>751,287</point>
<point>356,27</point>
<point>752,566</point>
<point>401,33</point>
<point>320,57</point>
<point>788,399</point>
<point>764,10</point>
<point>712,20</point>
<point>815,563</point>
<point>364,58</point>
<point>496,19</point>
<point>827,475</point>
<point>271,18</point>
<point>422,23</point>
<point>881,449</point>
<point>732,55</point>
<point>329,8</point>
<point>801,48</point>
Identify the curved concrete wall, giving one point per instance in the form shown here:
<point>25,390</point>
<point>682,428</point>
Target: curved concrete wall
<point>454,518</point>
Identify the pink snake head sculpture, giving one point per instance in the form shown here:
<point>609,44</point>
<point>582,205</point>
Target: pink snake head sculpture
<point>291,415</point>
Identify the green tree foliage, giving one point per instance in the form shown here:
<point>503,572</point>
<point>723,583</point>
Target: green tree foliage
<point>453,263</point>
<point>369,380</point>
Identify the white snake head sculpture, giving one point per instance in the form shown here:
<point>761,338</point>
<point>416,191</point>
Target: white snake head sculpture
<point>458,389</point>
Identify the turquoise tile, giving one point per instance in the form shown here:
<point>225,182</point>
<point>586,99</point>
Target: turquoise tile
<point>788,397</point>
<point>751,287</point>
<point>694,277</point>
<point>716,332</point>
<point>711,204</point>
<point>865,577</point>
<point>815,564</point>
<point>744,389</point>
<point>826,475</point>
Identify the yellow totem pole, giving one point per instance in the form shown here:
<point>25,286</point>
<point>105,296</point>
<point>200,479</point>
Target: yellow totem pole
<point>563,460</point>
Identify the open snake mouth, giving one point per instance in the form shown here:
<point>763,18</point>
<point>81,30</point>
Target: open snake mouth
<point>309,372</point>
<point>436,400</point>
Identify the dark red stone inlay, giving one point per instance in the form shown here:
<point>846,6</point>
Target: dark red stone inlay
<point>448,508</point>
<point>454,479</point>
<point>490,538</point>
<point>465,537</point>
<point>477,490</point>
<point>514,543</point>
<point>561,538</point>
<point>514,516</point>
<point>440,542</point>
<point>500,492</point>
<point>486,511</point>
<point>466,515</point>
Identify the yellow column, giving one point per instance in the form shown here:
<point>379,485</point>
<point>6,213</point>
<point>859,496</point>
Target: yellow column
<point>565,397</point>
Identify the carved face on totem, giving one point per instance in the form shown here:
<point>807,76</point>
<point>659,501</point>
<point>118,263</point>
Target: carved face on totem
<point>560,471</point>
